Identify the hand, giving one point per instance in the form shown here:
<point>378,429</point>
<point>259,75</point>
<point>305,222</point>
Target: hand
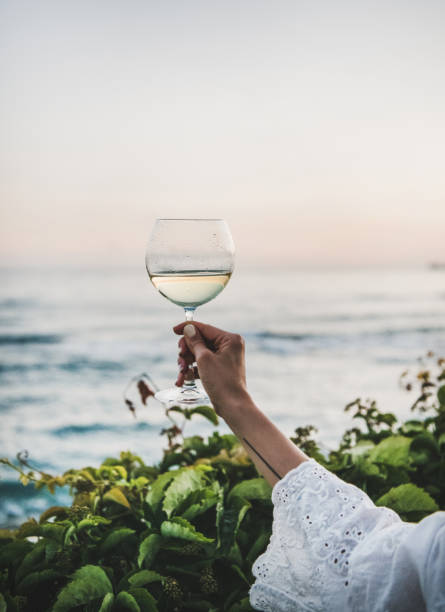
<point>220,359</point>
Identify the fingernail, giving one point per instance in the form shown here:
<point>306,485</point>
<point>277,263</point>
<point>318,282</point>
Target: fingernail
<point>189,331</point>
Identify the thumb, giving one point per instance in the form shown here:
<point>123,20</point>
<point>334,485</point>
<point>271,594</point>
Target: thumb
<point>195,341</point>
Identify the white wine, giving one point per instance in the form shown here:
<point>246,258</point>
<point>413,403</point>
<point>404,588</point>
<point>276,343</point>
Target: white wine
<point>190,289</point>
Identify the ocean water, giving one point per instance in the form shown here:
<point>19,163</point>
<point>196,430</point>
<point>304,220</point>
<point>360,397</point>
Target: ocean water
<point>71,340</point>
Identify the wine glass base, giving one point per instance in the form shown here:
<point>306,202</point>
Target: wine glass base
<point>185,398</point>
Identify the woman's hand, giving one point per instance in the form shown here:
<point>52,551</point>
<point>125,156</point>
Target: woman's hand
<point>220,359</point>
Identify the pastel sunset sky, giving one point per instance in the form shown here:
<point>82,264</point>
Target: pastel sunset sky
<point>316,128</point>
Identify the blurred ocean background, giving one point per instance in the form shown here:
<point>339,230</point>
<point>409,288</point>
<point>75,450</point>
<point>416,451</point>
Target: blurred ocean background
<point>316,339</point>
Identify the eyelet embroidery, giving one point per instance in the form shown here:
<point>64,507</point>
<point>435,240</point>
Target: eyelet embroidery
<point>318,522</point>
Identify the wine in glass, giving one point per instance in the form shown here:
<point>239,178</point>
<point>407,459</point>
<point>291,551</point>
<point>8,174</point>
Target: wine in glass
<point>189,261</point>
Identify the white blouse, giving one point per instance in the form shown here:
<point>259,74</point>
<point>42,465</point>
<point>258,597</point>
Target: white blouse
<point>333,550</point>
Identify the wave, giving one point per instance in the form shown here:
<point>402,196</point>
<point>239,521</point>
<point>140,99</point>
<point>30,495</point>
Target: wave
<point>77,364</point>
<point>16,302</point>
<point>269,335</point>
<point>74,365</point>
<point>370,316</point>
<point>295,337</point>
<point>12,489</point>
<point>20,368</point>
<point>74,430</point>
<point>8,339</point>
<point>412,330</point>
<point>18,503</point>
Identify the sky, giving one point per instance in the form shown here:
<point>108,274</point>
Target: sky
<point>315,127</point>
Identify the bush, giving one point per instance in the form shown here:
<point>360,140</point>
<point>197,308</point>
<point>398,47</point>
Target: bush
<point>183,535</point>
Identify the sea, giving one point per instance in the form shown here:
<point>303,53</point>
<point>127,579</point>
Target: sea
<point>72,340</point>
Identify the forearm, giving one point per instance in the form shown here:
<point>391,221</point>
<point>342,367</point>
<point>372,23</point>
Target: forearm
<point>273,454</point>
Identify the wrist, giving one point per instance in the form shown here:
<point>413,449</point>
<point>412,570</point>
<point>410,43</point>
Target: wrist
<point>236,409</point>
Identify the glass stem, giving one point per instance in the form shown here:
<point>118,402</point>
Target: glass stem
<point>189,314</point>
<point>189,382</point>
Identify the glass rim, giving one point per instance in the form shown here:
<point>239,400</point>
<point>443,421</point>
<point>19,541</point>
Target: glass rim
<point>187,219</point>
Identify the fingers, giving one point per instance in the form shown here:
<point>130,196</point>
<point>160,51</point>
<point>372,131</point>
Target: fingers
<point>186,357</point>
<point>183,348</point>
<point>185,360</point>
<point>181,376</point>
<point>208,331</point>
<point>195,341</point>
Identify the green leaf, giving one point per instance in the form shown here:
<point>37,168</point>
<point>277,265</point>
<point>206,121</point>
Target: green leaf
<point>125,601</point>
<point>441,395</point>
<point>393,451</point>
<point>146,601</point>
<point>28,585</point>
<point>116,538</point>
<point>228,521</point>
<point>156,493</point>
<point>110,471</point>
<point>107,603</point>
<point>195,443</point>
<point>258,547</point>
<point>88,583</point>
<point>255,488</point>
<point>180,528</point>
<point>52,547</point>
<point>117,496</point>
<point>144,577</point>
<point>148,549</point>
<point>28,528</point>
<point>57,511</point>
<point>234,555</point>
<point>424,449</point>
<point>240,573</point>
<point>52,531</point>
<point>2,603</point>
<point>24,479</point>
<point>70,535</point>
<point>205,499</point>
<point>216,442</point>
<point>361,448</point>
<point>13,552</point>
<point>183,411</point>
<point>364,469</point>
<point>412,427</point>
<point>241,606</point>
<point>185,482</point>
<point>92,521</point>
<point>409,501</point>
<point>31,561</point>
<point>205,411</point>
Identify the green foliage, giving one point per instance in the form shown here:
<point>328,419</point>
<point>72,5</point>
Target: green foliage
<point>181,529</point>
<point>409,500</point>
<point>183,535</point>
<point>148,549</point>
<point>89,583</point>
<point>401,465</point>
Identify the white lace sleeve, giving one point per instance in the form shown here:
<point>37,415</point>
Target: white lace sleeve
<point>332,549</point>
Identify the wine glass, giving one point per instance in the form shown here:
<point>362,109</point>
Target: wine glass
<point>189,261</point>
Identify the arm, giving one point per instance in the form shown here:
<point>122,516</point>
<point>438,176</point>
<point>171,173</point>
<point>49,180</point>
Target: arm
<point>273,454</point>
<point>220,359</point>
